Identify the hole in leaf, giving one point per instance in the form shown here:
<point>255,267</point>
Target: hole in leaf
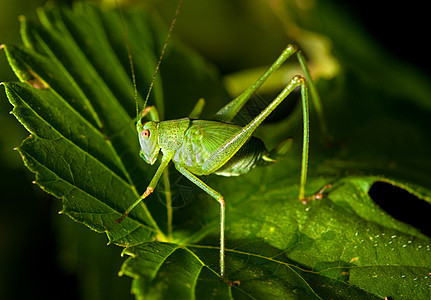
<point>402,205</point>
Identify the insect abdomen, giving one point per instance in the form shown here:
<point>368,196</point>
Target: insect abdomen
<point>245,159</point>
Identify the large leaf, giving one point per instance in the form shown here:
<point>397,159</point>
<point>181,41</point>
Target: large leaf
<point>76,100</point>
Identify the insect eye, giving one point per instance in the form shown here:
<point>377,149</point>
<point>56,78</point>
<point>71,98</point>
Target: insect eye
<point>145,133</point>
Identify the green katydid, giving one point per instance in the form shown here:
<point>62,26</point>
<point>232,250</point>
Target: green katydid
<point>204,147</point>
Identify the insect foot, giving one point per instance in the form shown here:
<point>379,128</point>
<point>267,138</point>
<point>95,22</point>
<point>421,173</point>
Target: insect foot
<point>120,219</point>
<point>231,282</point>
<point>316,196</point>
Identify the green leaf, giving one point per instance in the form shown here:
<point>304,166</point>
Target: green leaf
<point>76,100</point>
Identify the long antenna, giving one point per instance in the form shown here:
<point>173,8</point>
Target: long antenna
<point>171,29</point>
<point>129,54</point>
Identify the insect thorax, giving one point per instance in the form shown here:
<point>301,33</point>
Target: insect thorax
<point>171,133</point>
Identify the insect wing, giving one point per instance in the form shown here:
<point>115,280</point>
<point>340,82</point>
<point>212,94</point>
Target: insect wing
<point>202,139</point>
<point>209,135</point>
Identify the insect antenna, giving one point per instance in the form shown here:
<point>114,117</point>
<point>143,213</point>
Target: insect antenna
<point>171,29</point>
<point>130,56</point>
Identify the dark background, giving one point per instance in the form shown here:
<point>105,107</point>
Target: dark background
<point>400,28</point>
<point>32,262</point>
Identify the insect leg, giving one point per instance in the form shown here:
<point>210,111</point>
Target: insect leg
<point>151,112</point>
<point>230,110</point>
<point>197,109</point>
<point>219,199</point>
<point>305,142</point>
<point>228,149</point>
<point>165,161</point>
<point>315,97</point>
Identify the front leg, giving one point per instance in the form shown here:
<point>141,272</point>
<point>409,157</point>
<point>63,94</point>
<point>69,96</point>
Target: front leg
<point>165,161</point>
<point>150,112</point>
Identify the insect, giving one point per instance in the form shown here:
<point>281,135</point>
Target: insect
<point>203,147</point>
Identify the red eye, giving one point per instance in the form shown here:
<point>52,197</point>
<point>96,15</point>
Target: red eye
<point>145,133</point>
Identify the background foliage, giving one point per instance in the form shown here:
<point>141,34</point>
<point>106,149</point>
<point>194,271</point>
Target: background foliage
<point>373,82</point>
